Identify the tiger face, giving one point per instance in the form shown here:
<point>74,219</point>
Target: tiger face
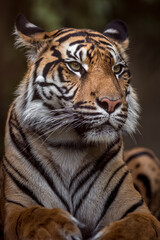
<point>77,87</point>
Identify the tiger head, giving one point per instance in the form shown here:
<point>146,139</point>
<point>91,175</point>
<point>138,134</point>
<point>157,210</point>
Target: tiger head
<point>77,86</point>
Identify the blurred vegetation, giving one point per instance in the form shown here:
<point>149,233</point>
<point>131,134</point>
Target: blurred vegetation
<point>143,19</point>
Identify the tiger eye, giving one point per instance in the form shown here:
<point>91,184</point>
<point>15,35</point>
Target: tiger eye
<point>75,66</point>
<point>117,68</point>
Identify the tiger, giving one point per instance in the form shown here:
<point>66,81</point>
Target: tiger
<point>64,175</point>
<point>144,166</point>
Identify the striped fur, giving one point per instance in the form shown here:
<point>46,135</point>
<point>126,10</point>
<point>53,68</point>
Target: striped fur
<point>145,168</point>
<point>64,175</point>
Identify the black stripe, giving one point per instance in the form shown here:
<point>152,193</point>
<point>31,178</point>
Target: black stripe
<point>78,48</point>
<point>90,53</point>
<point>81,55</point>
<point>127,93</point>
<point>45,95</point>
<point>79,174</point>
<point>67,90</point>
<point>124,109</point>
<point>36,67</point>
<point>69,55</point>
<point>58,88</point>
<point>36,95</point>
<point>62,31</point>
<point>79,103</point>
<point>14,202</point>
<point>133,208</point>
<point>23,188</point>
<point>120,120</point>
<point>24,148</point>
<point>56,53</point>
<point>127,71</point>
<point>92,34</point>
<point>113,175</point>
<point>60,74</point>
<point>98,165</point>
<point>83,33</point>
<point>70,97</point>
<point>97,171</point>
<point>45,84</point>
<point>84,195</point>
<point>49,106</point>
<point>86,107</point>
<point>47,67</point>
<point>43,51</point>
<point>90,113</point>
<point>121,115</point>
<point>105,43</point>
<point>139,154</point>
<point>24,102</point>
<point>143,178</point>
<point>76,42</point>
<point>20,174</point>
<point>100,47</point>
<point>74,34</point>
<point>112,196</point>
<point>70,145</point>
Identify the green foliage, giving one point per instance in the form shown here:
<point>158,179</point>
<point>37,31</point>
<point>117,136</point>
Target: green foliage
<point>73,13</point>
<point>44,13</point>
<point>94,14</point>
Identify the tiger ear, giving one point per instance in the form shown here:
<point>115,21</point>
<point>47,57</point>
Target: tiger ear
<point>117,31</point>
<point>29,35</point>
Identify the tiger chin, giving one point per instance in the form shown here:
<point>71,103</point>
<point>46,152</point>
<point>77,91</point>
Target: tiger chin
<point>63,169</point>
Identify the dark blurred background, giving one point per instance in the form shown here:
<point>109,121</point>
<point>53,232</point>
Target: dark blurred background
<point>143,20</point>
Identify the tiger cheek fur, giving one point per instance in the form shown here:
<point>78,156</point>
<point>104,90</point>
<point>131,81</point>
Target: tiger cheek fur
<point>64,174</point>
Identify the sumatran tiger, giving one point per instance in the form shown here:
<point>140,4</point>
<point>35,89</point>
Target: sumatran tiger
<point>64,174</point>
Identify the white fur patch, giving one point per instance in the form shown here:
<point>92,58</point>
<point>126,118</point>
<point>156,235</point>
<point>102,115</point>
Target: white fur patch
<point>40,79</point>
<point>30,25</point>
<point>114,55</point>
<point>111,31</point>
<point>85,66</point>
<point>133,112</point>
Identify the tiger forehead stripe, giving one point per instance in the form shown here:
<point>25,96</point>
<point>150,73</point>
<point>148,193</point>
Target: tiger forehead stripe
<point>61,31</point>
<point>78,33</point>
<point>76,42</point>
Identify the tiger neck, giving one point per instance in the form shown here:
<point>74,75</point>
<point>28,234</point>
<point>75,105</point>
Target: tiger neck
<point>72,155</point>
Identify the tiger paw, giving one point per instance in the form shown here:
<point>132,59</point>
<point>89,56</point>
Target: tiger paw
<point>38,223</point>
<point>136,226</point>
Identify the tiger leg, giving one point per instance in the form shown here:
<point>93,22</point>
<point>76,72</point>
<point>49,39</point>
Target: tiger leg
<point>145,168</point>
<point>39,223</point>
<point>135,226</point>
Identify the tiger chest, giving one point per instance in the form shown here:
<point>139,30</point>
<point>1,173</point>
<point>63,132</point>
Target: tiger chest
<point>79,184</point>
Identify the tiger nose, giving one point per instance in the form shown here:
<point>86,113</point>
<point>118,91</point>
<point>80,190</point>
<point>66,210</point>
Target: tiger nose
<point>109,105</point>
